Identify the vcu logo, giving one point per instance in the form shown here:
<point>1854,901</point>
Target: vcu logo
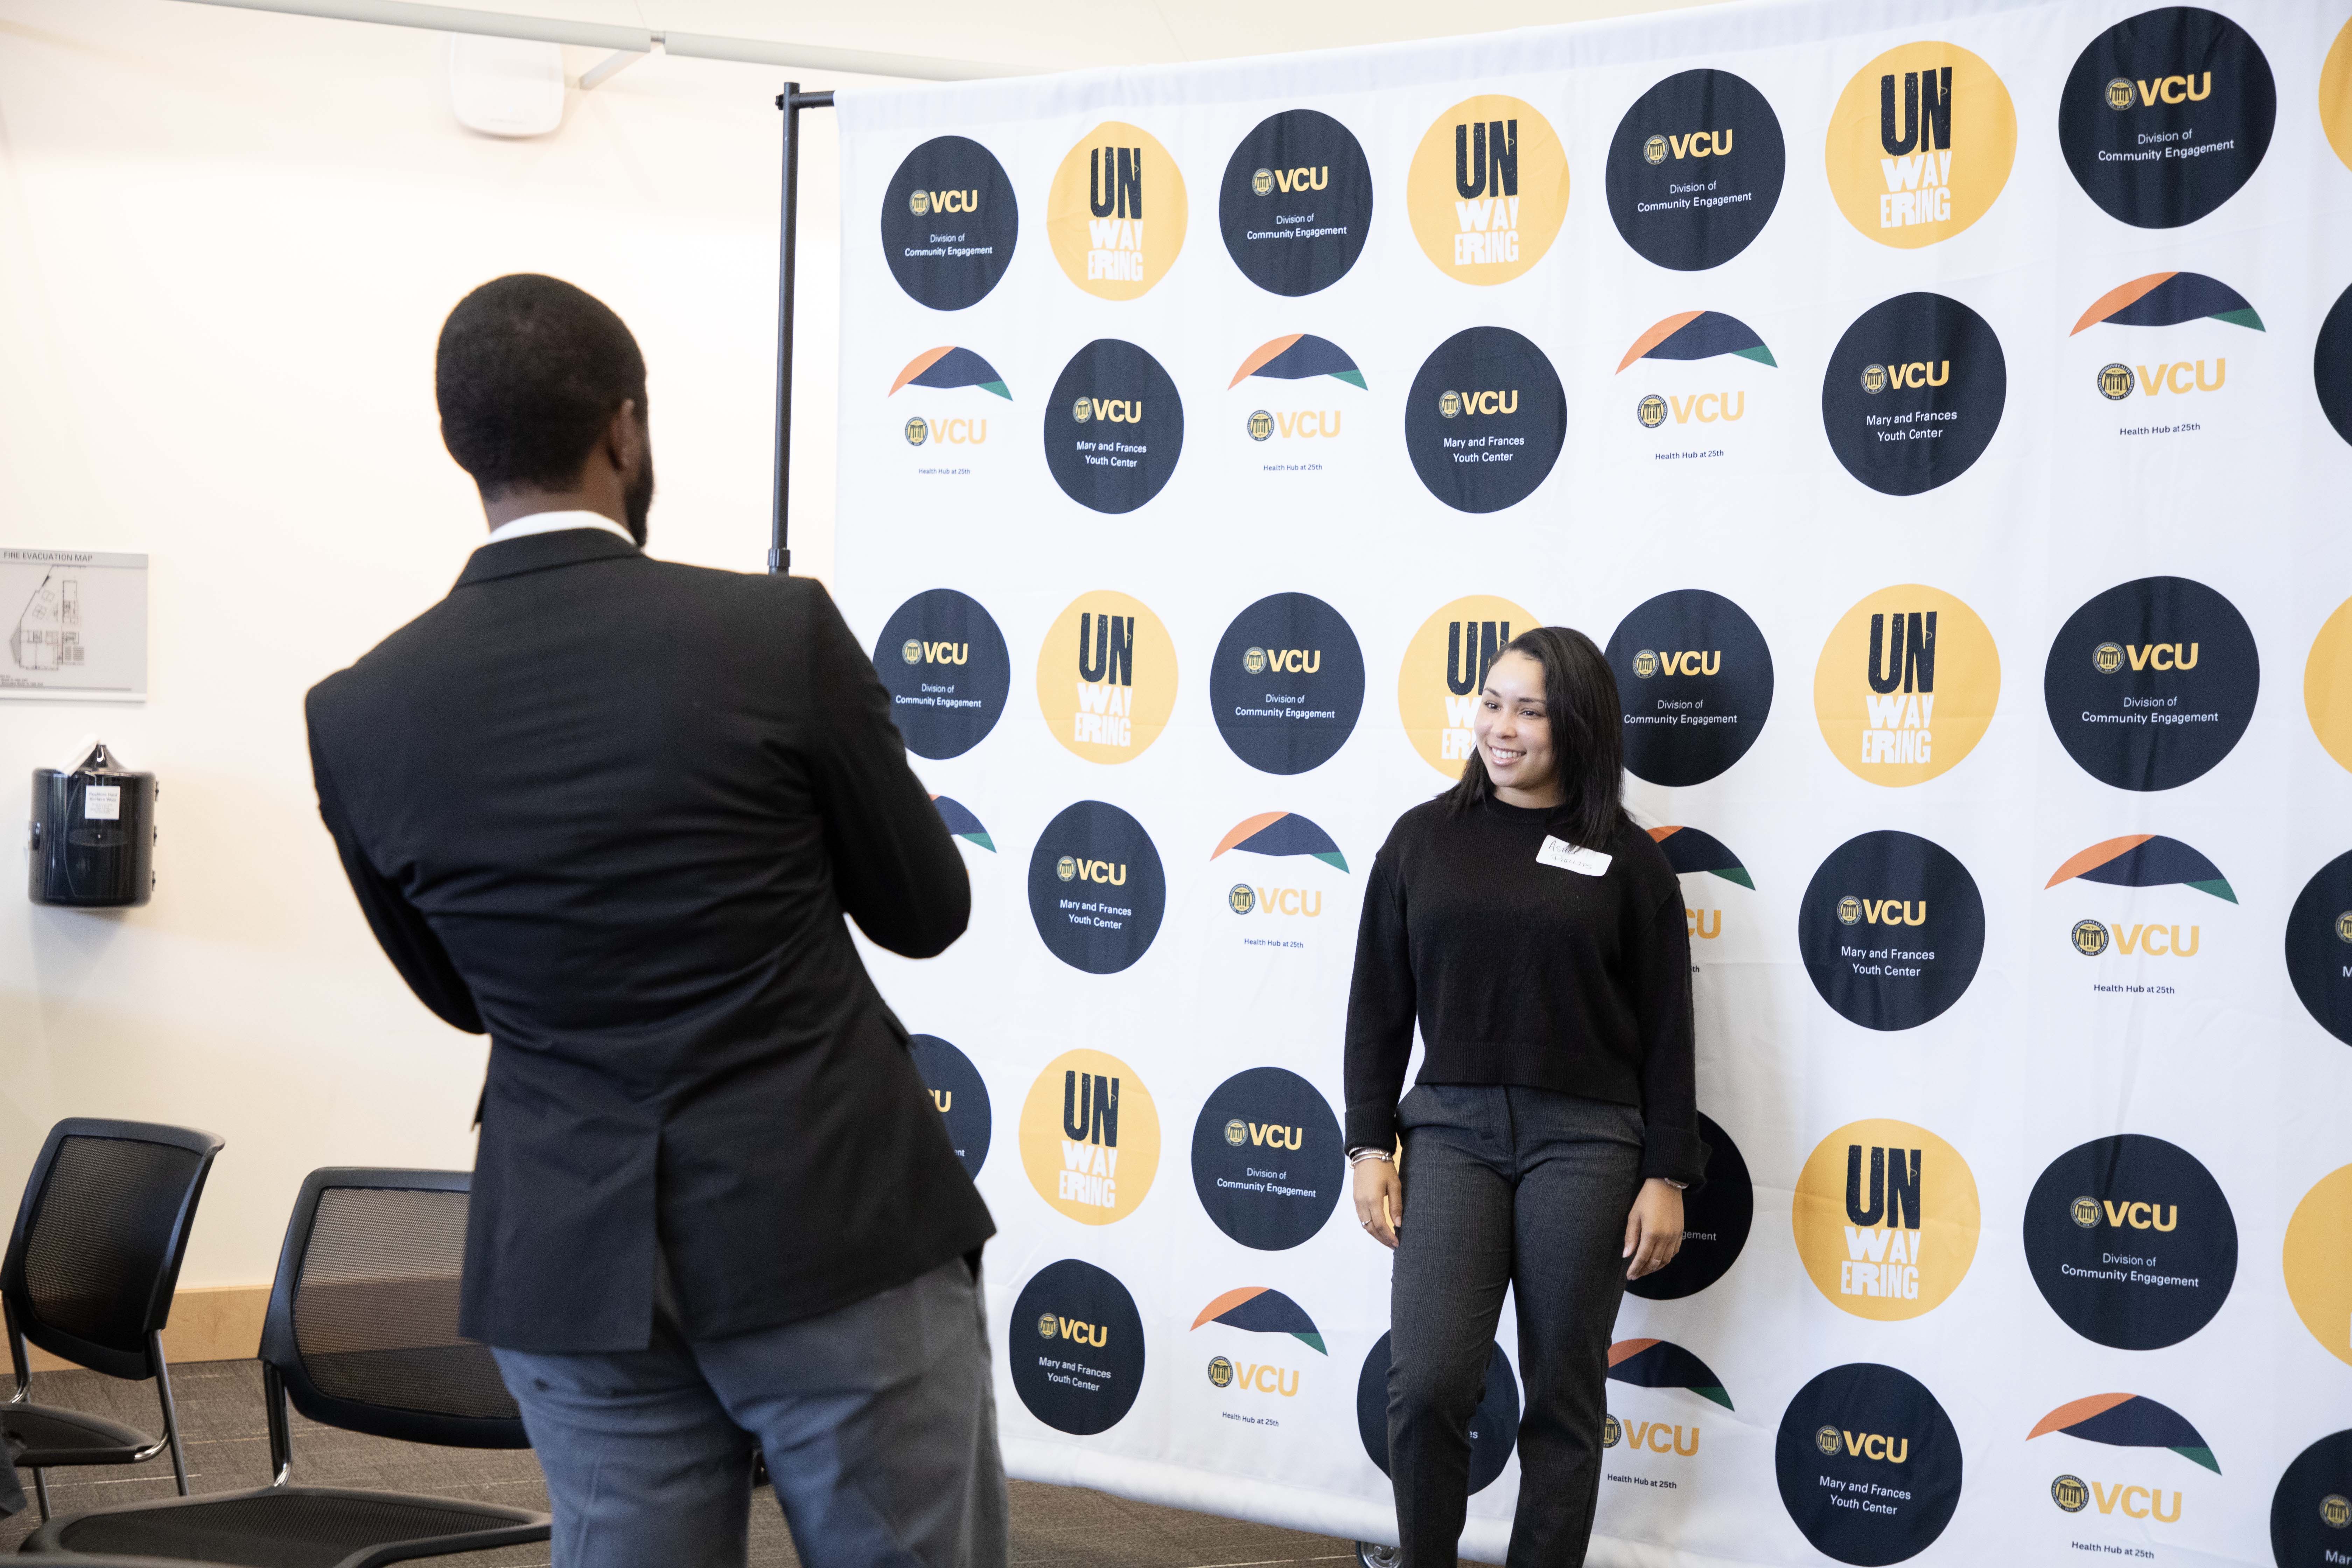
<point>1283,660</point>
<point>1877,378</point>
<point>2073,1495</point>
<point>914,650</point>
<point>1651,411</point>
<point>1070,869</point>
<point>1116,410</point>
<point>2088,1212</point>
<point>2178,376</point>
<point>944,1099</point>
<point>1692,144</point>
<point>1684,661</point>
<point>2125,91</point>
<point>1106,684</point>
<point>1918,162</point>
<point>1706,407</point>
<point>1052,1326</point>
<point>1115,198</point>
<point>1090,1170</point>
<point>1707,924</point>
<point>1882,1260</point>
<point>1653,1436</point>
<point>955,432</point>
<point>1289,182</point>
<point>2091,937</point>
<point>2109,657</point>
<point>1901,669</point>
<point>1243,899</point>
<point>2115,382</point>
<point>1852,910</point>
<point>1306,424</point>
<point>1471,649</point>
<point>1452,404</point>
<point>1263,1134</point>
<point>918,432</point>
<point>1263,1377</point>
<point>1487,179</point>
<point>1834,1440</point>
<point>1261,425</point>
<point>923,203</point>
<point>2336,1511</point>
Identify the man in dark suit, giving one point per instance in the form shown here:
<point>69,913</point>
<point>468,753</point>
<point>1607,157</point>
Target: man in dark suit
<point>611,811</point>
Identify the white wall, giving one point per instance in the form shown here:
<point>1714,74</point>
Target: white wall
<point>226,243</point>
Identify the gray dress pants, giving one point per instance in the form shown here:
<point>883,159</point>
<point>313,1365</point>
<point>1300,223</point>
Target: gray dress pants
<point>1526,1188</point>
<point>878,1422</point>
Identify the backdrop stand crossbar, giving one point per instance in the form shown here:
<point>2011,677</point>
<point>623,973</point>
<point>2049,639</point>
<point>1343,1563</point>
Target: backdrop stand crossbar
<point>790,101</point>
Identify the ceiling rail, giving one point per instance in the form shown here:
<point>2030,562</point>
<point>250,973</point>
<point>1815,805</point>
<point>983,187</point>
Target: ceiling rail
<point>631,41</point>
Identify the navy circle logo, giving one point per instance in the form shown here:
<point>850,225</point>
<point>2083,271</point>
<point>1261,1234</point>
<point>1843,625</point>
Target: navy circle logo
<point>1694,170</point>
<point>1913,393</point>
<point>1486,419</point>
<point>2318,959</point>
<point>1287,685</point>
<point>948,223</point>
<point>1716,1221</point>
<point>1114,427</point>
<point>1868,1464</point>
<point>1076,1350</point>
<point>2311,1511</point>
<point>2131,1242</point>
<point>1097,890</point>
<point>945,664</point>
<point>2167,115</point>
<point>960,1094</point>
<point>1694,684</point>
<point>1296,203</point>
<point>1267,1160</point>
<point>2150,684</point>
<point>1915,936</point>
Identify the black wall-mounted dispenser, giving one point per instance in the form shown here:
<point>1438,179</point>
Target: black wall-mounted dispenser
<point>93,835</point>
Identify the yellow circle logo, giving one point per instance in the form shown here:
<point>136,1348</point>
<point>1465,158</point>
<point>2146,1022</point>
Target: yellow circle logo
<point>2069,1493</point>
<point>1651,411</point>
<point>1241,897</point>
<point>2336,1510</point>
<point>1261,182</point>
<point>911,650</point>
<point>1115,215</point>
<point>1048,1326</point>
<point>919,203</point>
<point>2117,381</point>
<point>1825,1438</point>
<point>1237,1132</point>
<point>1886,1219</point>
<point>918,432</point>
<point>2090,938</point>
<point>1653,150</point>
<point>1091,1137</point>
<point>2335,95</point>
<point>1445,667</point>
<point>2327,673</point>
<point>1107,677</point>
<point>1646,663</point>
<point>1874,379</point>
<point>1083,410</point>
<point>1221,1371</point>
<point>1067,868</point>
<point>1487,189</point>
<point>1254,661</point>
<point>2108,658</point>
<point>2086,1212</point>
<point>1449,405</point>
<point>1906,685</point>
<point>1261,425</point>
<point>1849,911</point>
<point>2319,1264</point>
<point>2119,94</point>
<point>1920,144</point>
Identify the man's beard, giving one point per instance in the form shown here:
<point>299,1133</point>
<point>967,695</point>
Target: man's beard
<point>638,502</point>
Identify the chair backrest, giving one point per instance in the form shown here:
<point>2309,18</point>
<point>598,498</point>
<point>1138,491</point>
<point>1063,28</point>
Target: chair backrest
<point>96,1252</point>
<point>362,1325</point>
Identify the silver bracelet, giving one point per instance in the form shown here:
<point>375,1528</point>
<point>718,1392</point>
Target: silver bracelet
<point>1358,1156</point>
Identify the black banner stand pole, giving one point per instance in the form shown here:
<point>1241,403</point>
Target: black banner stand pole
<point>791,100</point>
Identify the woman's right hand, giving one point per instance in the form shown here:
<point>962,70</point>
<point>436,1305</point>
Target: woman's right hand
<point>1380,1199</point>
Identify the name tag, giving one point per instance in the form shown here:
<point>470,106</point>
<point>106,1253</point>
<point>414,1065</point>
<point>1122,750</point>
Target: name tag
<point>1569,858</point>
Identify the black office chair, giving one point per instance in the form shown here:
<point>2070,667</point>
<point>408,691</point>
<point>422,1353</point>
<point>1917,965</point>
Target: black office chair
<point>361,1334</point>
<point>89,1276</point>
<point>45,1560</point>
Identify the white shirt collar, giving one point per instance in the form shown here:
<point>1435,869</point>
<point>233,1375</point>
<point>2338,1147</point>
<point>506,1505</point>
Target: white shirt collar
<point>554,522</point>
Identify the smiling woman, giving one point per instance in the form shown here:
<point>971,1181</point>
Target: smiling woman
<point>1538,938</point>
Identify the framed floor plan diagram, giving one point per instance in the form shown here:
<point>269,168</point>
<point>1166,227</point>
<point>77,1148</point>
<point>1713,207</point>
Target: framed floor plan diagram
<point>75,623</point>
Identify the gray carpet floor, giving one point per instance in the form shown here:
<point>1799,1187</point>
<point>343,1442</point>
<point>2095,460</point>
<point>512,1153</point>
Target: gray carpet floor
<point>222,1427</point>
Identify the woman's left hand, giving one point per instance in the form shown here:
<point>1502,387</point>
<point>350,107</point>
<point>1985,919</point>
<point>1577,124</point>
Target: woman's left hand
<point>1653,1231</point>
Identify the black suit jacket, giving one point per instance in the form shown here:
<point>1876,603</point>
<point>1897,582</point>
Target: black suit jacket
<point>611,810</point>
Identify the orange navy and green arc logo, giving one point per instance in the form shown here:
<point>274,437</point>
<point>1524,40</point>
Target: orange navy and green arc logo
<point>1281,833</point>
<point>948,367</point>
<point>2145,860</point>
<point>961,822</point>
<point>1698,334</point>
<point>1662,1363</point>
<point>1297,357</point>
<point>1256,1310</point>
<point>2129,1421</point>
<point>1691,851</point>
<point>2168,300</point>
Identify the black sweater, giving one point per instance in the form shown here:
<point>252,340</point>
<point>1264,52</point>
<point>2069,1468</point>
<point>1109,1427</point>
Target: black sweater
<point>1521,972</point>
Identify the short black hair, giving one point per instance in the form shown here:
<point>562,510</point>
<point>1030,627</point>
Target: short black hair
<point>529,371</point>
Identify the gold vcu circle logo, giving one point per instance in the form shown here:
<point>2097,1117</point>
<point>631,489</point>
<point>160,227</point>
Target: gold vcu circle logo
<point>1826,1439</point>
<point>2108,658</point>
<point>1047,1327</point>
<point>1221,1371</point>
<point>2117,381</point>
<point>918,432</point>
<point>2336,1510</point>
<point>1261,425</point>
<point>1651,411</point>
<point>2090,938</point>
<point>1241,898</point>
<point>2344,926</point>
<point>911,650</point>
<point>1611,1434</point>
<point>919,203</point>
<point>1449,405</point>
<point>2084,1212</point>
<point>1874,379</point>
<point>1646,663</point>
<point>1254,661</point>
<point>1263,182</point>
<point>1083,410</point>
<point>2119,94</point>
<point>1849,911</point>
<point>2069,1493</point>
<point>1236,1132</point>
<point>1653,150</point>
<point>1067,868</point>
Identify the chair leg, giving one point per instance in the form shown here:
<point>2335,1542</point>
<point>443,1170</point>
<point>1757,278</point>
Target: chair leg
<point>41,1492</point>
<point>171,1412</point>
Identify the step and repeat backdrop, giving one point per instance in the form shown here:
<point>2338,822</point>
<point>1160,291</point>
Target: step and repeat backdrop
<point>1947,429</point>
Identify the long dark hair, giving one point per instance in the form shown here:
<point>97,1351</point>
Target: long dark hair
<point>1588,739</point>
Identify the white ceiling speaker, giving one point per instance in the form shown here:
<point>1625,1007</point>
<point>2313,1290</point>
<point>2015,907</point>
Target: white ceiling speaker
<point>506,87</point>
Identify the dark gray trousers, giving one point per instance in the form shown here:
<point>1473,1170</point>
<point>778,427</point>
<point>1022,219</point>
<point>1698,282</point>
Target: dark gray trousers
<point>878,1422</point>
<point>1529,1189</point>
